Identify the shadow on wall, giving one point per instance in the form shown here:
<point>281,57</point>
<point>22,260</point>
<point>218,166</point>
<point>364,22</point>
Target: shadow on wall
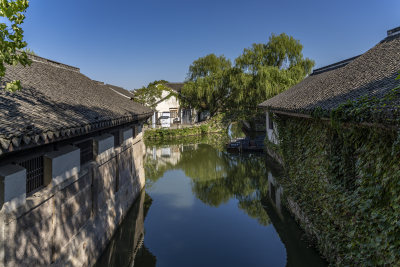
<point>72,223</point>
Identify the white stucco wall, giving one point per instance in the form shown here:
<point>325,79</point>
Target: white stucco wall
<point>272,133</point>
<point>165,105</point>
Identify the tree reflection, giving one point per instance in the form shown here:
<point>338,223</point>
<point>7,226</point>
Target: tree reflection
<point>217,176</point>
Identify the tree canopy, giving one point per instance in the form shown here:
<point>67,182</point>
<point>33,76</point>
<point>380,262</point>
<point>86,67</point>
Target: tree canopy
<point>205,88</point>
<point>152,93</point>
<point>11,42</point>
<point>261,72</point>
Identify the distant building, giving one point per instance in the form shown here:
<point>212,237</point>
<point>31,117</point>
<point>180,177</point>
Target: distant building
<point>169,107</point>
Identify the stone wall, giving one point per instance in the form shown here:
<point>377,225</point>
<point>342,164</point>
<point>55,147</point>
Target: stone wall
<point>70,222</point>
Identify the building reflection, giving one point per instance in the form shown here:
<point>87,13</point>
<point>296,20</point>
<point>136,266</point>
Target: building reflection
<point>127,246</point>
<point>299,252</point>
<point>217,175</point>
<point>252,179</point>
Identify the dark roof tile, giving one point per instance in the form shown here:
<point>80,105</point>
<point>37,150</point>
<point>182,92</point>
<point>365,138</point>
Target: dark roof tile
<point>57,100</point>
<point>371,74</point>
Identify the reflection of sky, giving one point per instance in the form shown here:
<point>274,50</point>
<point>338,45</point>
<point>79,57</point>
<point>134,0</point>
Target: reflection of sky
<point>233,229</point>
<point>181,230</point>
<point>174,189</point>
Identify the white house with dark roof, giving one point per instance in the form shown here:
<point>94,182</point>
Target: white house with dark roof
<point>169,107</point>
<point>71,164</point>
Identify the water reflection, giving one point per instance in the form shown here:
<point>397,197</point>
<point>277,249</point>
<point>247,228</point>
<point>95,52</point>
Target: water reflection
<point>217,175</point>
<point>126,247</point>
<point>211,208</point>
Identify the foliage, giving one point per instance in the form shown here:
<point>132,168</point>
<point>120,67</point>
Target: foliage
<point>218,176</point>
<point>281,51</point>
<point>29,51</point>
<point>371,109</point>
<point>11,41</point>
<point>215,125</point>
<point>216,140</point>
<point>152,93</point>
<point>344,174</point>
<point>207,66</point>
<point>261,72</point>
<point>345,178</point>
<point>265,70</point>
<point>205,88</point>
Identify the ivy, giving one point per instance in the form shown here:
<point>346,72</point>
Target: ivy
<point>346,180</point>
<point>215,125</point>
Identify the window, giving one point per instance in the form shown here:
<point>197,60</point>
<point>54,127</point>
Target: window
<point>173,113</point>
<point>34,173</point>
<point>270,122</point>
<point>116,138</point>
<point>86,148</point>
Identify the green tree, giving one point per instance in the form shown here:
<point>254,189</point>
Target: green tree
<point>152,93</point>
<point>281,51</point>
<point>261,72</point>
<point>265,70</point>
<point>12,43</point>
<point>205,87</point>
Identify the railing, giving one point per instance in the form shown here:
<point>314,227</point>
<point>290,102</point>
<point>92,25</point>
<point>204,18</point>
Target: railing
<point>34,173</point>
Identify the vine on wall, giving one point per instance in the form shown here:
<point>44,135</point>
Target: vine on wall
<point>346,179</point>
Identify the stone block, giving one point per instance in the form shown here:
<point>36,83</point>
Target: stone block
<point>12,186</point>
<point>61,164</point>
<point>29,237</point>
<point>125,166</point>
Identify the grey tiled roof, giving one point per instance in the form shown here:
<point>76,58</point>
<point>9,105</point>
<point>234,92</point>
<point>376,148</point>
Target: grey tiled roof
<point>177,87</point>
<point>371,74</point>
<point>58,102</point>
<point>121,91</point>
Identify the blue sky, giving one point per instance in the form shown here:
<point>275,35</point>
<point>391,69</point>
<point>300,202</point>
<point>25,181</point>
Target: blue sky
<point>130,43</point>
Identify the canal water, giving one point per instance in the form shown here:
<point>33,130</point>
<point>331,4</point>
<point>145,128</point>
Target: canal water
<point>203,206</point>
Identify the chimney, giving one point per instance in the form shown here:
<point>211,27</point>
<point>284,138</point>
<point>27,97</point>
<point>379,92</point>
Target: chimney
<point>393,31</point>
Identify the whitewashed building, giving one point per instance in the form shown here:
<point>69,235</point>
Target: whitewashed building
<point>170,106</point>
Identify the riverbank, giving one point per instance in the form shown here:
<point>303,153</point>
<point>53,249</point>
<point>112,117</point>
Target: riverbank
<point>215,125</point>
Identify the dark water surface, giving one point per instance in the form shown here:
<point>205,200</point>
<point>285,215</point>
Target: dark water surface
<point>206,207</point>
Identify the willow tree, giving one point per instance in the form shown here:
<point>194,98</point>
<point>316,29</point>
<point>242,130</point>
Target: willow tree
<point>265,70</point>
<point>152,93</point>
<point>261,72</point>
<point>11,41</point>
<point>205,87</point>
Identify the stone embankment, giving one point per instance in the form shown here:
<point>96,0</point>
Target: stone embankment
<point>70,223</point>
